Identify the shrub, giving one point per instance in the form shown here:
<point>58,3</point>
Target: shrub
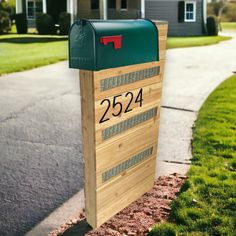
<point>163,230</point>
<point>21,23</point>
<point>4,6</point>
<point>45,24</point>
<point>64,23</point>
<point>5,22</point>
<point>212,26</point>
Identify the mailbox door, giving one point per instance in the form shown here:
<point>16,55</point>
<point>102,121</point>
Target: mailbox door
<point>81,46</point>
<point>124,42</point>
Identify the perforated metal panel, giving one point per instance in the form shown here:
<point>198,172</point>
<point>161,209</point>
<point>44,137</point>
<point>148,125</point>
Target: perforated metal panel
<point>128,124</point>
<point>128,78</point>
<point>127,164</point>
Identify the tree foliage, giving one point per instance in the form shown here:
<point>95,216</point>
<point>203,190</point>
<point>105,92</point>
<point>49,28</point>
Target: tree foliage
<point>218,7</point>
<point>5,21</point>
<point>223,9</point>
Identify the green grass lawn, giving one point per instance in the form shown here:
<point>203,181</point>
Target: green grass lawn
<point>206,204</point>
<point>228,25</point>
<point>180,42</point>
<point>22,52</point>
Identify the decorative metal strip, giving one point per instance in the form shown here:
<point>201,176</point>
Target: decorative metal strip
<point>129,123</point>
<point>127,164</point>
<point>128,78</point>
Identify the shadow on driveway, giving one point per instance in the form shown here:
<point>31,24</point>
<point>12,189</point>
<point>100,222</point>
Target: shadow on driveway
<point>24,40</point>
<point>79,229</point>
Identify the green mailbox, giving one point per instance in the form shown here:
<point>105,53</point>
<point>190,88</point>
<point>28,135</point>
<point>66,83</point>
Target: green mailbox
<point>97,44</point>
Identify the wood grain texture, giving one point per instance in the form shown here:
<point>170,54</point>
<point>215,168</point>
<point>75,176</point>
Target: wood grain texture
<point>119,193</point>
<point>150,93</point>
<point>121,167</point>
<point>88,131</point>
<point>117,150</point>
<point>99,138</point>
<point>100,75</point>
<point>163,29</point>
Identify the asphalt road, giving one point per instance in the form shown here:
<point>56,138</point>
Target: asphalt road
<point>40,145</point>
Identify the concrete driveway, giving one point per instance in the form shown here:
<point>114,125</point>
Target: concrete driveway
<point>191,74</point>
<point>40,135</point>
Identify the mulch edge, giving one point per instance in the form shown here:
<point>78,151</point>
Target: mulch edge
<point>139,217</point>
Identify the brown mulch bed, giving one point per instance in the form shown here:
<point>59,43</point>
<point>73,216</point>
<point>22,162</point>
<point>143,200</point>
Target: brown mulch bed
<point>138,217</point>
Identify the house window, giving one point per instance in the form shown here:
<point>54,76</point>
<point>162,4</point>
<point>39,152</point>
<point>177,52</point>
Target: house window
<point>112,4</point>
<point>190,11</point>
<point>123,4</point>
<point>30,8</point>
<point>94,4</point>
<point>33,7</point>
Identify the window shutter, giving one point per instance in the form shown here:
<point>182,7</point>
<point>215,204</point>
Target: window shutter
<point>181,11</point>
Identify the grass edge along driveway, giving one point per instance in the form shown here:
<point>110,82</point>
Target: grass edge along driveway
<point>24,52</point>
<point>206,204</point>
<point>182,42</point>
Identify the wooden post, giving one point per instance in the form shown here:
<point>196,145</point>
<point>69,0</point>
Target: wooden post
<point>120,121</point>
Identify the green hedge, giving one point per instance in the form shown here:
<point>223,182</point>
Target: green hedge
<point>45,24</point>
<point>5,22</point>
<point>21,23</point>
<point>64,23</point>
<point>212,26</point>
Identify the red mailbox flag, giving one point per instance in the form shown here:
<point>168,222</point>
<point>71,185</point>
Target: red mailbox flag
<point>112,39</point>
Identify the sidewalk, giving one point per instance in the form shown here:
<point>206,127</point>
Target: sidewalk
<point>191,74</point>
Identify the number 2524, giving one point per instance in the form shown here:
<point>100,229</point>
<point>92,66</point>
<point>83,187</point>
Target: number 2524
<point>116,105</point>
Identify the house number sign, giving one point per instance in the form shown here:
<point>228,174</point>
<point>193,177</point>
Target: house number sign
<point>115,104</point>
<point>120,80</point>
